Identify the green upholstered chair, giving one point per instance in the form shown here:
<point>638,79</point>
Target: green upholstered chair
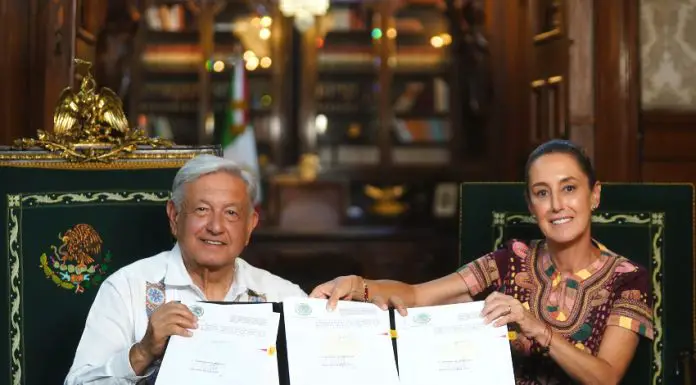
<point>652,224</point>
<point>67,226</point>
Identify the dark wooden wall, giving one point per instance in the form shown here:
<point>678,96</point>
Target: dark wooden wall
<point>615,140</point>
<point>632,144</point>
<point>19,27</point>
<point>506,29</point>
<point>636,145</point>
<point>669,146</point>
<point>617,90</point>
<point>38,40</point>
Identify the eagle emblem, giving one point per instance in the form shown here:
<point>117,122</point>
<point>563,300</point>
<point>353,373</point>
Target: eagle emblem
<point>386,200</point>
<point>77,262</point>
<point>89,125</point>
<point>96,113</point>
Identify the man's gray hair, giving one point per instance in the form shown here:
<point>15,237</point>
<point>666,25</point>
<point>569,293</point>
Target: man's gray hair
<point>206,164</point>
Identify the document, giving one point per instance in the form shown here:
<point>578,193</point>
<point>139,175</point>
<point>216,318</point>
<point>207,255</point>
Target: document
<point>347,346</point>
<point>450,344</point>
<point>233,344</point>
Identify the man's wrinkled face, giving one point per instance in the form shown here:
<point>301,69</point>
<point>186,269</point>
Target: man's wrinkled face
<point>215,221</point>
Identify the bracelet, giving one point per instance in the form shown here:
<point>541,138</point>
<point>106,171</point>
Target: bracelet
<point>549,332</point>
<point>366,291</point>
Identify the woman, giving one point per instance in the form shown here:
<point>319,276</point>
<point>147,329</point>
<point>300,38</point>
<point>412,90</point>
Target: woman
<point>579,308</point>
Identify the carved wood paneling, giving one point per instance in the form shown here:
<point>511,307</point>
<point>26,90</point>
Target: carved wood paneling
<point>506,26</point>
<point>581,74</point>
<point>58,52</point>
<point>617,92</point>
<point>668,146</point>
<point>557,105</point>
<point>548,67</point>
<point>14,66</point>
<point>23,27</point>
<point>548,109</point>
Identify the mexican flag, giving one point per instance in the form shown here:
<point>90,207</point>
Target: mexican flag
<point>238,139</point>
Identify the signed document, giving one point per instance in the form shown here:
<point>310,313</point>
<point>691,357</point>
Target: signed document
<point>450,344</point>
<point>349,345</point>
<point>234,344</point>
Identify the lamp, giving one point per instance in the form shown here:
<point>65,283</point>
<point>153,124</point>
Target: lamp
<point>304,11</point>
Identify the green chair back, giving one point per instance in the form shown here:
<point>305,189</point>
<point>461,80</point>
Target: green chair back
<point>67,227</point>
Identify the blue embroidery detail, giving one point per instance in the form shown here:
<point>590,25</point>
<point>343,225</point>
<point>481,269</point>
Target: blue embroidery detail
<point>154,296</point>
<point>256,297</point>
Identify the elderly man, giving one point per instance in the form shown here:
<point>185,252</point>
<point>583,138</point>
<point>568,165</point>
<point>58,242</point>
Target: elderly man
<point>138,307</point>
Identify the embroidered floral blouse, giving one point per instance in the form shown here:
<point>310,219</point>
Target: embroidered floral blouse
<point>611,291</point>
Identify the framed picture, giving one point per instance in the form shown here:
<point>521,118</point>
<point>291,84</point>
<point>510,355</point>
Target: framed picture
<point>445,200</point>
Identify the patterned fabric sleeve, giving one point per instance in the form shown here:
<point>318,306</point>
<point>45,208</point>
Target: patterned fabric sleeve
<point>485,272</point>
<point>632,308</point>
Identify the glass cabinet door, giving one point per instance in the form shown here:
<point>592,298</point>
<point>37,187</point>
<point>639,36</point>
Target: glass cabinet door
<point>168,101</point>
<point>346,123</point>
<point>419,91</point>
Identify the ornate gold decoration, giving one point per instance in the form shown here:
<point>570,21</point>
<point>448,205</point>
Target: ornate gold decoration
<point>173,157</point>
<point>387,203</point>
<point>90,126</point>
<point>354,130</point>
<point>309,167</point>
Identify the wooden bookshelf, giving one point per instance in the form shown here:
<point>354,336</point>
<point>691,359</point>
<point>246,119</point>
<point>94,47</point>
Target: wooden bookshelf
<point>186,52</point>
<point>379,86</point>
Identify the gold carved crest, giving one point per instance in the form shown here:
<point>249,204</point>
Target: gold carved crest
<point>89,125</point>
<point>386,200</point>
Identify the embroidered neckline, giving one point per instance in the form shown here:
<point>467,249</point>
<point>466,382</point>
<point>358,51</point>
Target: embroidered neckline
<point>585,290</point>
<point>557,277</point>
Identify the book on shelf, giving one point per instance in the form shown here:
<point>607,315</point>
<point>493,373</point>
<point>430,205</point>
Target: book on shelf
<point>441,95</point>
<point>165,17</point>
<point>163,107</point>
<point>421,156</point>
<point>422,130</point>
<point>344,20</point>
<point>169,90</point>
<point>168,56</point>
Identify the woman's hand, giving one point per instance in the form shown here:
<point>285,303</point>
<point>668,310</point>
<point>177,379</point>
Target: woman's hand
<point>504,309</point>
<point>394,301</point>
<point>352,287</point>
<point>340,288</point>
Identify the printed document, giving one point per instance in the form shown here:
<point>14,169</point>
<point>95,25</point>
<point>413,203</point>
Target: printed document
<point>450,344</point>
<point>347,346</point>
<point>229,340</point>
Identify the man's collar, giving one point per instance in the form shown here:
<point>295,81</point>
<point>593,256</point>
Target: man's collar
<point>177,275</point>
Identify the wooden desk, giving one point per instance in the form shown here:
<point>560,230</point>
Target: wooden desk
<point>309,258</point>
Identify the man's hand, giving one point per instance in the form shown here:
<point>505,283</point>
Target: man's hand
<point>170,319</point>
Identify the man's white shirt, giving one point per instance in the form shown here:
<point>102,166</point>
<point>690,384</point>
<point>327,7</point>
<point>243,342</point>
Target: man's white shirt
<point>118,317</point>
